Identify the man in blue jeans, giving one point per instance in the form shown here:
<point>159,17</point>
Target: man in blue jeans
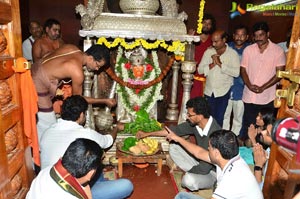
<point>235,103</point>
<point>219,64</point>
<point>58,137</point>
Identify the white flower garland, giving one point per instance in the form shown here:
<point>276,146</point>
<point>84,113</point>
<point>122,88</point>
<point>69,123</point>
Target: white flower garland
<point>152,93</point>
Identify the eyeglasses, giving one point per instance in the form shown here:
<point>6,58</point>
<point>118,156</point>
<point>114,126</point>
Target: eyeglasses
<point>190,115</point>
<point>98,63</point>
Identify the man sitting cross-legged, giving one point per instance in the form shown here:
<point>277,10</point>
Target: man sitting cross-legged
<point>57,138</point>
<point>199,174</point>
<point>234,177</point>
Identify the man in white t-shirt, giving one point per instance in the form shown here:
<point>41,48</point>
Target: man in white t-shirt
<point>68,128</point>
<point>36,32</point>
<point>58,137</point>
<point>223,151</point>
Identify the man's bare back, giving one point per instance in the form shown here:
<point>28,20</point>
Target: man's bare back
<point>67,62</point>
<point>58,63</point>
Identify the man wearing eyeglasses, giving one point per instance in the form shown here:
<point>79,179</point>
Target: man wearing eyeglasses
<point>198,173</point>
<point>223,151</point>
<point>65,62</point>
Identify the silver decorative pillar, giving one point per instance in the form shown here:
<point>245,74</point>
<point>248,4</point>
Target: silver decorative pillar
<point>95,109</point>
<point>87,87</point>
<point>104,119</point>
<point>188,67</point>
<point>172,111</point>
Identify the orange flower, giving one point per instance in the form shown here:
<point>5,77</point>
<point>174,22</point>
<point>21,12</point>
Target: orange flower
<point>178,57</point>
<point>138,71</point>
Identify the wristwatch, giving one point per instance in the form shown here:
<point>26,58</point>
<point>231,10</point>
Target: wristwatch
<point>257,168</point>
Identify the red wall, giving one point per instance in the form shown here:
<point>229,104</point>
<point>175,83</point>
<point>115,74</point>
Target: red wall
<point>62,10</point>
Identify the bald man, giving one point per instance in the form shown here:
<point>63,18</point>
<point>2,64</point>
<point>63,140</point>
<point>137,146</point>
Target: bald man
<point>219,64</point>
<point>36,32</point>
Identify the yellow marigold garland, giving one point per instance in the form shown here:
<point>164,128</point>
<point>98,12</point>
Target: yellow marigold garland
<point>201,10</point>
<point>176,47</point>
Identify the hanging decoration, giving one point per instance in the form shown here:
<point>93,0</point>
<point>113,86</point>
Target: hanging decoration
<point>201,11</point>
<point>162,75</point>
<point>176,47</point>
<point>135,99</point>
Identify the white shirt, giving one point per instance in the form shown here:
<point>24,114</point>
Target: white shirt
<point>44,187</point>
<point>236,181</point>
<point>204,132</point>
<point>60,135</point>
<point>27,48</point>
<point>219,79</point>
<point>283,46</point>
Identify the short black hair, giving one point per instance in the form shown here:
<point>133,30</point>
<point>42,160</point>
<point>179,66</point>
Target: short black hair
<point>226,142</point>
<point>72,107</point>
<point>82,156</point>
<point>261,26</point>
<point>207,16</point>
<point>200,106</point>
<point>33,21</point>
<point>99,52</point>
<point>50,22</point>
<point>241,26</point>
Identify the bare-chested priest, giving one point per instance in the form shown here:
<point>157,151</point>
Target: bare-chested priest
<point>50,41</point>
<point>65,62</point>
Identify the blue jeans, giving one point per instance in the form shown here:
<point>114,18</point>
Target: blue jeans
<point>186,195</point>
<point>217,106</point>
<point>111,189</point>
